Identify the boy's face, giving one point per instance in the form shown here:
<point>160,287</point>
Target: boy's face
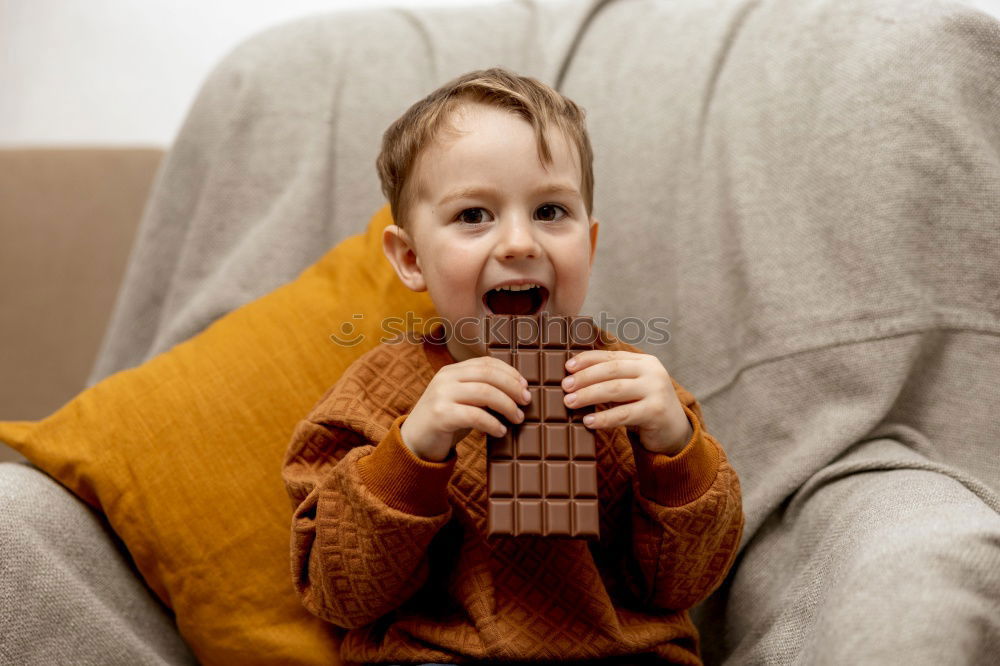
<point>460,249</point>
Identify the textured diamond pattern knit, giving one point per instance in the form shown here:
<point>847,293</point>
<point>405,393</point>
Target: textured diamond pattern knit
<point>393,548</point>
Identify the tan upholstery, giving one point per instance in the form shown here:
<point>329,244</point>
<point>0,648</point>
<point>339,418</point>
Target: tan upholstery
<point>67,220</point>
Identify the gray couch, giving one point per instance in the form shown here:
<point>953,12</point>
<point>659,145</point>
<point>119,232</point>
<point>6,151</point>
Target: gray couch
<point>807,189</point>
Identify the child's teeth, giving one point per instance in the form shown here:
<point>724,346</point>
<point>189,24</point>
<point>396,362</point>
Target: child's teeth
<point>516,287</point>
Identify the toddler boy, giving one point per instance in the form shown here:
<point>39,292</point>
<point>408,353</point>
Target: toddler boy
<point>490,183</point>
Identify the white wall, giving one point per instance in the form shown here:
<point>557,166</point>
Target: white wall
<point>79,72</point>
<point>124,72</point>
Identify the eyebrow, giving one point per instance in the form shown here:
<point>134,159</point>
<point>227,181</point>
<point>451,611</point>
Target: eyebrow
<point>473,192</point>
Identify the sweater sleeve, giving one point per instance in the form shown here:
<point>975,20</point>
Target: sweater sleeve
<point>364,515</point>
<point>687,517</point>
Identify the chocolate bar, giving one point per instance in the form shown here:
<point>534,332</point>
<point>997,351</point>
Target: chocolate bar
<point>542,474</point>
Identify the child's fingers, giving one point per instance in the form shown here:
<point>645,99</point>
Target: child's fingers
<point>614,368</point>
<point>612,390</point>
<point>495,372</point>
<point>489,361</point>
<point>619,415</point>
<point>486,395</point>
<point>480,419</point>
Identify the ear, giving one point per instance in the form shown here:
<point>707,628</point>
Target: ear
<point>400,250</point>
<point>593,238</point>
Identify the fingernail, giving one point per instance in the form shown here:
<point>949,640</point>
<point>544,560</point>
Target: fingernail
<point>520,415</point>
<point>570,398</point>
<point>503,429</point>
<point>571,363</point>
<point>568,382</point>
<point>527,395</point>
<point>588,419</point>
<point>524,382</point>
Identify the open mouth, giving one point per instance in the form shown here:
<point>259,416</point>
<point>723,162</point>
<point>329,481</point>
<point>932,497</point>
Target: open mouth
<point>522,301</point>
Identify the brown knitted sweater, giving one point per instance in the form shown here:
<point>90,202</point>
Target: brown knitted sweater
<point>393,548</point>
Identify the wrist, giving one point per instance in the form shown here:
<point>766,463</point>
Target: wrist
<point>401,479</point>
<point>667,443</point>
<point>431,453</point>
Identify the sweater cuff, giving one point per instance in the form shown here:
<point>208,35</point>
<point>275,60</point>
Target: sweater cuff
<point>683,477</point>
<point>403,480</point>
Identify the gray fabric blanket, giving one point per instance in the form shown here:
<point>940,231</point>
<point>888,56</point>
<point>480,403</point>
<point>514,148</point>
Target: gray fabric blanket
<point>808,190</point>
<point>68,592</point>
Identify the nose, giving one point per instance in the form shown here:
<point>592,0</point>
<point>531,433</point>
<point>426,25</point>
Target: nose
<point>517,240</point>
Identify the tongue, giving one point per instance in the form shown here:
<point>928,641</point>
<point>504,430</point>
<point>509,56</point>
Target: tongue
<point>513,302</point>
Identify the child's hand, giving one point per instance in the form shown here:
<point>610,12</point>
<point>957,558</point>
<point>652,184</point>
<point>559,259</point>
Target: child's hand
<point>454,402</point>
<point>640,381</point>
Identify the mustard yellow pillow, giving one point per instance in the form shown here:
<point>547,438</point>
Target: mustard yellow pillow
<point>183,453</point>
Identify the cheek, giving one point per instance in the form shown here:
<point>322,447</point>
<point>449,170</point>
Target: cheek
<point>453,269</point>
<point>573,262</point>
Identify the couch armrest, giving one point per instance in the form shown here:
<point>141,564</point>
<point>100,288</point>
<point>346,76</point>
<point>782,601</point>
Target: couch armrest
<point>69,592</point>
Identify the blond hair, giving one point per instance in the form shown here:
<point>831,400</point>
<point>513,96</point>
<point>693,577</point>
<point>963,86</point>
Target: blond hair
<point>539,104</point>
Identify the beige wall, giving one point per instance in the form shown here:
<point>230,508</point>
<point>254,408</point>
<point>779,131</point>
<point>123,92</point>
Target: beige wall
<point>67,221</point>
